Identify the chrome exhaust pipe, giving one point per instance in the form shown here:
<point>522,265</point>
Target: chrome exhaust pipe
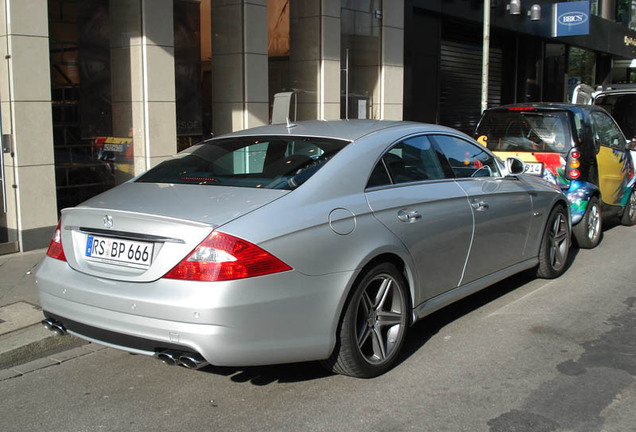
<point>54,326</point>
<point>193,361</point>
<point>169,358</point>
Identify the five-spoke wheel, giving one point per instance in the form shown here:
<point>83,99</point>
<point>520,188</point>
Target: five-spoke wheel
<point>555,244</point>
<point>373,325</point>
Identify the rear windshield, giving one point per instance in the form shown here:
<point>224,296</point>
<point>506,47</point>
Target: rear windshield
<point>256,162</point>
<point>525,131</point>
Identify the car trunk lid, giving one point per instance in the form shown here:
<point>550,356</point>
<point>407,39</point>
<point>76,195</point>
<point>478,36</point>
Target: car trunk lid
<point>140,231</point>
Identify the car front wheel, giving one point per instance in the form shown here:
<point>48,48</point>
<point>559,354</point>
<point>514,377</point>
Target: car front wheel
<point>555,245</point>
<point>629,213</point>
<point>373,326</point>
<point>587,232</point>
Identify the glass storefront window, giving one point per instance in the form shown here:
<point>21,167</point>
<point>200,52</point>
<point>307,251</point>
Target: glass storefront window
<point>581,67</point>
<point>360,58</point>
<point>278,42</point>
<point>193,59</point>
<point>98,85</point>
<point>82,103</point>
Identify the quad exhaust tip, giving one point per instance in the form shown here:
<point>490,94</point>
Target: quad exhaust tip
<point>170,357</point>
<point>185,359</point>
<point>54,326</point>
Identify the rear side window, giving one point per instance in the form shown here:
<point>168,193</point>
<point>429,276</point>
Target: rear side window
<point>257,162</point>
<point>606,132</point>
<point>525,131</point>
<point>622,107</point>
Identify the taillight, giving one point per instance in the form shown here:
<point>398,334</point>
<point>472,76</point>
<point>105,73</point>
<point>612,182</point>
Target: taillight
<point>55,246</point>
<point>573,164</point>
<point>222,257</point>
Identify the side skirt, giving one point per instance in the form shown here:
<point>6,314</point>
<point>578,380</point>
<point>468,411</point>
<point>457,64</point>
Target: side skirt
<point>436,303</point>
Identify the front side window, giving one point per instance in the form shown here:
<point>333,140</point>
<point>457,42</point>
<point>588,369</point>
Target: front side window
<point>257,162</point>
<point>606,132</point>
<point>465,158</point>
<point>412,160</point>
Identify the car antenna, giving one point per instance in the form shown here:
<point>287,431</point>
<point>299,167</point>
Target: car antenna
<point>290,124</point>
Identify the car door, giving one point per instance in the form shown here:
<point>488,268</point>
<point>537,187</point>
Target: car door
<point>410,193</point>
<point>501,207</point>
<point>613,160</point>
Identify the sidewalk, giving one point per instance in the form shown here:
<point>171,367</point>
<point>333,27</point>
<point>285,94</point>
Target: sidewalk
<point>22,338</point>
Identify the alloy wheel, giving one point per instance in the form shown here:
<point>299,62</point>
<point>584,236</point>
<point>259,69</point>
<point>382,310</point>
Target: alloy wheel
<point>594,223</point>
<point>559,244</point>
<point>380,319</point>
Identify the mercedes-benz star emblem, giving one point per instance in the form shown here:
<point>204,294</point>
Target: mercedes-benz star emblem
<point>108,221</point>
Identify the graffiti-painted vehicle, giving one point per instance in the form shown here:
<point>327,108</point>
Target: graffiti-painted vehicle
<point>580,148</point>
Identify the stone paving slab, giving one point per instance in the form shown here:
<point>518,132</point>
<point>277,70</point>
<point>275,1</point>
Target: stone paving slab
<point>17,316</point>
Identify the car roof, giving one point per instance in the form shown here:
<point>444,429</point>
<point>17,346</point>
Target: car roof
<point>350,130</point>
<point>557,106</point>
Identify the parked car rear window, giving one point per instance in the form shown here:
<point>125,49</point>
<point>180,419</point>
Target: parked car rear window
<point>521,131</point>
<point>257,162</point>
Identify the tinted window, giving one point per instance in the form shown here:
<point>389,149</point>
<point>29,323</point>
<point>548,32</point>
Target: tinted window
<point>465,158</point>
<point>411,160</point>
<point>606,132</point>
<point>532,130</point>
<point>622,107</point>
<point>264,162</point>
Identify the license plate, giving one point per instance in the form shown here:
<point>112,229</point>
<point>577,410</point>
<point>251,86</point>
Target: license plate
<point>534,168</point>
<point>128,253</point>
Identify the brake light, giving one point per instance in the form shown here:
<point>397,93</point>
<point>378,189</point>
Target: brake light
<point>572,166</point>
<point>55,249</point>
<point>222,257</point>
<point>521,109</point>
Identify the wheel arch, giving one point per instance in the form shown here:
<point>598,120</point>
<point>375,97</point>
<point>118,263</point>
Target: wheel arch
<point>373,260</point>
<point>579,198</point>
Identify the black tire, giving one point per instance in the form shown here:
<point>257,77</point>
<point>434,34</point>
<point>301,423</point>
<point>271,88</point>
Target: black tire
<point>555,244</point>
<point>587,233</point>
<point>629,213</point>
<point>373,325</point>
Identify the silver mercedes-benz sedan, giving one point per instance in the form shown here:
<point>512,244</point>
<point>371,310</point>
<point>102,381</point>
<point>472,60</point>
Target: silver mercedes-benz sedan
<point>288,243</point>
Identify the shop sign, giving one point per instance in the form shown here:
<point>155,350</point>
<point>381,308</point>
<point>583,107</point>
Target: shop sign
<point>571,19</point>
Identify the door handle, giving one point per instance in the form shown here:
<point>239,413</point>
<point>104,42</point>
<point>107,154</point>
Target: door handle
<point>409,216</point>
<point>479,205</point>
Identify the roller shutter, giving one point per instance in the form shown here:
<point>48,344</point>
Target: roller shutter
<point>461,70</point>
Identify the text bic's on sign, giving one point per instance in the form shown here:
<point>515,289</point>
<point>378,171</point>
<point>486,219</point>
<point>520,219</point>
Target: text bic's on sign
<point>573,18</point>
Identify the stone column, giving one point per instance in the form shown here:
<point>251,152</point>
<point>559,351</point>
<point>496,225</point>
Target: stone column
<point>25,92</point>
<point>239,65</point>
<point>391,95</point>
<point>143,80</point>
<point>142,76</point>
<point>314,58</point>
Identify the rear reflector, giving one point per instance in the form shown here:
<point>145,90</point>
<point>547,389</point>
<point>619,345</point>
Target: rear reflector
<point>55,246</point>
<point>222,257</point>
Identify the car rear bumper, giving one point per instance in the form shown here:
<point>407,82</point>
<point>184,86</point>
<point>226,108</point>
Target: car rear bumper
<point>287,317</point>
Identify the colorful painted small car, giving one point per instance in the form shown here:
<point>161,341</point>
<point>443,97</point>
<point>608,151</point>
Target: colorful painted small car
<point>578,147</point>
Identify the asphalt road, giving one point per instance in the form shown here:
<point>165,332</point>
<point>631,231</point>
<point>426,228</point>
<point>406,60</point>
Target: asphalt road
<point>522,356</point>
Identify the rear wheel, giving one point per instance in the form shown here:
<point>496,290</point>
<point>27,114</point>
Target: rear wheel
<point>555,245</point>
<point>373,326</point>
<point>587,232</point>
<point>629,213</point>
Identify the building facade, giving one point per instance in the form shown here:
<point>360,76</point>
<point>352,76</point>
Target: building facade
<point>95,92</point>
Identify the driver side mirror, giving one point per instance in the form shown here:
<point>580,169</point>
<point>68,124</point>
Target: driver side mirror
<point>514,166</point>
